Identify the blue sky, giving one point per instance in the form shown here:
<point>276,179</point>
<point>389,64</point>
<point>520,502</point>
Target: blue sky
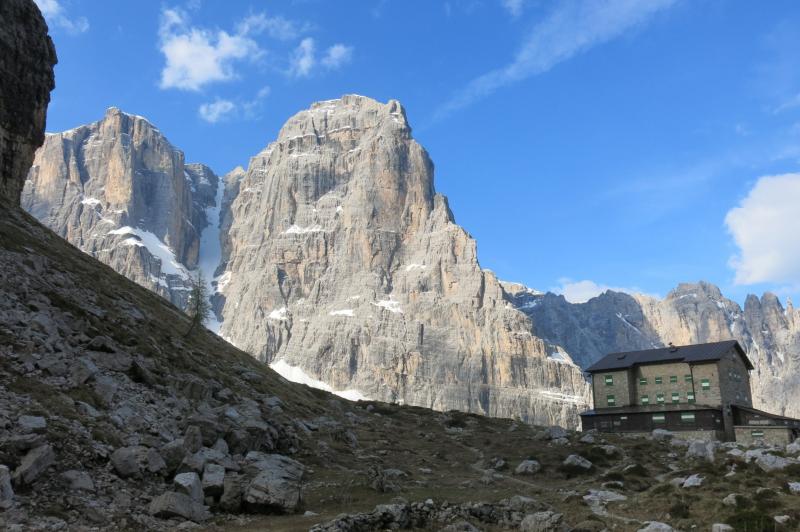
<point>584,144</point>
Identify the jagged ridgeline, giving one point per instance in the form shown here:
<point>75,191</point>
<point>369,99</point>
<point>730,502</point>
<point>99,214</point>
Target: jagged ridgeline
<point>340,263</point>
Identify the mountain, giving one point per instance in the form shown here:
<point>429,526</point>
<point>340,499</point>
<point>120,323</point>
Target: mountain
<point>692,313</point>
<point>118,190</point>
<point>342,261</point>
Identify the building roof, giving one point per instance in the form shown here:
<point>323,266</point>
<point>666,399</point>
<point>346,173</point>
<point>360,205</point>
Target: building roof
<point>791,420</point>
<point>648,409</point>
<point>685,353</point>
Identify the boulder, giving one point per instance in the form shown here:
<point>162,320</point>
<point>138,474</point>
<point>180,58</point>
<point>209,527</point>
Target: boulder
<point>731,500</point>
<point>34,464</point>
<point>213,480</point>
<point>78,480</point>
<point>125,461</point>
<point>6,491</point>
<point>528,467</point>
<point>769,462</point>
<point>793,448</point>
<point>189,483</point>
<point>577,462</point>
<point>589,437</point>
<point>192,439</point>
<point>32,424</point>
<point>173,454</point>
<point>794,487</point>
<point>721,527</point>
<point>656,526</point>
<point>555,433</point>
<point>662,435</point>
<point>693,481</point>
<point>701,449</point>
<point>276,486</point>
<point>782,519</point>
<point>232,490</point>
<point>541,522</point>
<point>82,370</point>
<point>174,504</point>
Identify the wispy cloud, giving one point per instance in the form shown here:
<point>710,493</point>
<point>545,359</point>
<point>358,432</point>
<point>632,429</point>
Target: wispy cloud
<point>303,60</point>
<point>763,227</point>
<point>276,27</point>
<point>571,28</point>
<point>221,110</point>
<point>196,57</point>
<point>514,7</point>
<point>216,111</point>
<point>56,16</point>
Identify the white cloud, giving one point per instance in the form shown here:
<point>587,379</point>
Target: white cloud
<point>514,7</point>
<point>56,16</point>
<point>196,57</point>
<point>764,228</point>
<point>583,291</point>
<point>303,58</point>
<point>252,108</point>
<point>574,26</point>
<point>217,110</point>
<point>337,55</point>
<point>276,27</point>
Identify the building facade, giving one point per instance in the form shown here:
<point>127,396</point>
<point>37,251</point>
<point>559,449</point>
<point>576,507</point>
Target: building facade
<point>702,390</point>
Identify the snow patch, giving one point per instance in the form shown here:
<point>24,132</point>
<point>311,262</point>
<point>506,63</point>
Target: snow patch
<point>296,374</point>
<point>297,230</point>
<point>414,266</point>
<point>343,312</point>
<point>92,202</point>
<point>390,305</point>
<point>169,263</point>
<point>210,254</point>
<point>560,357</point>
<point>278,314</point>
<point>562,397</point>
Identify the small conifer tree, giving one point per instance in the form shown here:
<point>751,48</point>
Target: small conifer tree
<point>198,308</point>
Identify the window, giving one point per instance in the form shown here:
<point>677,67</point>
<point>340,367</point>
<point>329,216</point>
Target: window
<point>676,397</point>
<point>659,418</point>
<point>660,398</point>
<point>609,380</point>
<point>687,378</point>
<point>757,433</point>
<point>623,418</point>
<point>658,380</point>
<point>611,401</point>
<point>645,400</point>
<point>690,397</point>
<point>673,379</point>
<point>706,384</point>
<point>687,417</point>
<point>643,381</point>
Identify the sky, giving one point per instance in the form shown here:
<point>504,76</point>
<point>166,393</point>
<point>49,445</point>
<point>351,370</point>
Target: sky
<point>585,145</point>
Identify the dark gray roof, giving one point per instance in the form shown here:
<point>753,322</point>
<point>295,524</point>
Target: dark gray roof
<point>684,353</point>
<point>647,409</point>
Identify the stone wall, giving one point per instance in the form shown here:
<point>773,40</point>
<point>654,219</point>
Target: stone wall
<point>27,56</point>
<point>666,387</point>
<point>712,396</point>
<point>620,389</point>
<point>772,435</point>
<point>734,380</point>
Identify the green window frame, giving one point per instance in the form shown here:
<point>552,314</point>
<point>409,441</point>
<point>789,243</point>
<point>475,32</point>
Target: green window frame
<point>757,433</point>
<point>687,378</point>
<point>660,398</point>
<point>659,418</point>
<point>676,397</point>
<point>690,397</point>
<point>609,380</point>
<point>610,400</point>
<point>673,379</point>
<point>687,417</point>
<point>643,381</point>
<point>658,380</point>
<point>705,384</point>
<point>645,400</point>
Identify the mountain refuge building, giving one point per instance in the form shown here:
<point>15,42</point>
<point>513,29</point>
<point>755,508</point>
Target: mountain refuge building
<point>701,391</point>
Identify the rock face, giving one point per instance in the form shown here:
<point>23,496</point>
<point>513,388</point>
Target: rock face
<point>692,313</point>
<point>118,190</point>
<point>342,260</point>
<point>27,57</point>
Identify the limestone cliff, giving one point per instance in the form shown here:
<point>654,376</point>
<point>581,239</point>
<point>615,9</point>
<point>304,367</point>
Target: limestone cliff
<point>692,313</point>
<point>343,261</point>
<point>118,190</point>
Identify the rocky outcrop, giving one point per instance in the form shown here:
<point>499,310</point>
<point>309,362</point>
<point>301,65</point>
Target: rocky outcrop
<point>692,313</point>
<point>343,261</point>
<point>27,57</point>
<point>118,190</point>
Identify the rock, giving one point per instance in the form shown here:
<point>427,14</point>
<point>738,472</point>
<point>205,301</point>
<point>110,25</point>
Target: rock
<point>662,435</point>
<point>731,500</point>
<point>693,481</point>
<point>770,462</point>
<point>556,432</point>
<point>221,446</point>
<point>702,450</point>
<point>78,480</point>
<point>794,487</point>
<point>6,491</point>
<point>173,504</point>
<point>154,462</point>
<point>577,462</point>
<point>125,461</point>
<point>189,484</point>
<point>793,448</point>
<point>276,486</point>
<point>589,526</point>
<point>528,467</point>
<point>721,527</point>
<point>34,464</point>
<point>588,438</point>
<point>782,519</point>
<point>233,488</point>
<point>655,526</point>
<point>541,522</point>
<point>192,439</point>
<point>82,370</point>
<point>213,479</point>
<point>173,454</point>
<point>598,499</point>
<point>460,526</point>
<point>32,424</point>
